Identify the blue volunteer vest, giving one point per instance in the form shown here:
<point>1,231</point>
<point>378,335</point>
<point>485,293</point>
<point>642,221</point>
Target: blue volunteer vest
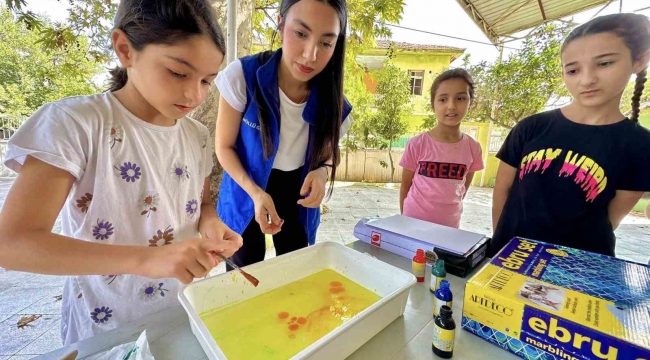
<point>235,207</point>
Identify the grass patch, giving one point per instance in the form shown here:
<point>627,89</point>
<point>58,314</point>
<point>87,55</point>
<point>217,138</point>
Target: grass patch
<point>641,205</point>
<point>644,119</point>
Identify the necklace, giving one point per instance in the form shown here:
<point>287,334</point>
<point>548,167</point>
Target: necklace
<point>305,97</point>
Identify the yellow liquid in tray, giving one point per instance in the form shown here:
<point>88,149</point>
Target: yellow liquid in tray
<point>284,321</point>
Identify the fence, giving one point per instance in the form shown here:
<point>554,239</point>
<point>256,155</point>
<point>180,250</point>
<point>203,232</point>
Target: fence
<point>4,171</point>
<point>366,166</point>
<point>8,126</point>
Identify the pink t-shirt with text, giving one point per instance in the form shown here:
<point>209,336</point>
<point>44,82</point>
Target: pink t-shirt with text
<point>438,187</point>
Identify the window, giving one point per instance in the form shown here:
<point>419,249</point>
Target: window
<point>497,137</point>
<point>417,77</point>
<point>472,131</point>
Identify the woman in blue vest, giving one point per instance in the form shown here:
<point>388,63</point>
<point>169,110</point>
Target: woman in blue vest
<point>281,115</point>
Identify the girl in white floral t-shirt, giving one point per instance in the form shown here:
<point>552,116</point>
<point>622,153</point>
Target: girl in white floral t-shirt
<point>129,172</point>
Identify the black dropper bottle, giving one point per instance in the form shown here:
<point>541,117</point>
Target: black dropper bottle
<point>444,329</point>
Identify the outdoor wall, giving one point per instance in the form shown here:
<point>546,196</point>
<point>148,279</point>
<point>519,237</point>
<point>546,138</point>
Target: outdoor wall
<point>432,65</point>
<point>491,170</point>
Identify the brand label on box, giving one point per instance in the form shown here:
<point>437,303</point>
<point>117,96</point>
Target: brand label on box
<point>565,302</point>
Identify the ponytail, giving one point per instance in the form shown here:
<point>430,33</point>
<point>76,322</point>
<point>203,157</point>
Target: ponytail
<point>638,91</point>
<point>118,78</point>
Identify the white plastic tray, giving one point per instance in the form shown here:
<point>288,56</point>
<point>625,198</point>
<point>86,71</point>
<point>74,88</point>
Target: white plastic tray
<point>389,282</point>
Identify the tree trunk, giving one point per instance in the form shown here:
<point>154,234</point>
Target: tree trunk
<point>347,155</point>
<point>390,157</point>
<point>365,159</point>
<point>207,112</point>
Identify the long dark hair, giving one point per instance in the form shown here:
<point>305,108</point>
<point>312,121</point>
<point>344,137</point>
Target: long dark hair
<point>634,29</point>
<point>458,73</point>
<point>329,85</point>
<point>167,22</point>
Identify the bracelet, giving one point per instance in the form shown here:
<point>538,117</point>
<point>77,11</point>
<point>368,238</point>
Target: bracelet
<point>326,166</point>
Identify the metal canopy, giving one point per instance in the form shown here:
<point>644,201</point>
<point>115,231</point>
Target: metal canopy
<point>501,18</point>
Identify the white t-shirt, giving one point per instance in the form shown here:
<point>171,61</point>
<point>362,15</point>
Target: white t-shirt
<point>136,184</point>
<point>294,132</point>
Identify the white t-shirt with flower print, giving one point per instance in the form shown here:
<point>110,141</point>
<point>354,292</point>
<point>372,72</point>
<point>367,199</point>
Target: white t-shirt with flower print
<point>136,184</point>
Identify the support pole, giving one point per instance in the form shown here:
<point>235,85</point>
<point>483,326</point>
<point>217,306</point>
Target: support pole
<point>231,44</point>
<point>486,152</point>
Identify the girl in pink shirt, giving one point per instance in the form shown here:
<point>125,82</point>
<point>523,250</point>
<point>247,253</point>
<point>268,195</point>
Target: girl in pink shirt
<point>439,165</point>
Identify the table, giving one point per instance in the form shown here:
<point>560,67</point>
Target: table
<point>407,338</point>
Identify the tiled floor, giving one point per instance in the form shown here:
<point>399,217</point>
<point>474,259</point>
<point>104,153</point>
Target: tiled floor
<point>26,294</point>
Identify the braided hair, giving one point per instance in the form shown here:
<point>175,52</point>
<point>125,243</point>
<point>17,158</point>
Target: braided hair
<point>639,85</point>
<point>634,29</point>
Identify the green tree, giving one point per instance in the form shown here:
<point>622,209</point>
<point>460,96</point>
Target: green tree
<point>429,122</point>
<point>393,105</point>
<point>87,27</point>
<point>523,84</point>
<point>31,77</point>
<point>363,101</point>
<point>367,20</point>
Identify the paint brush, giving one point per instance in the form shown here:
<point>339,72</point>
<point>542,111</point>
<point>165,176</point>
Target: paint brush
<point>248,276</point>
<point>268,221</point>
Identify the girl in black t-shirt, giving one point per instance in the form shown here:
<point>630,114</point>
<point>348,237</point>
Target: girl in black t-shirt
<point>569,176</point>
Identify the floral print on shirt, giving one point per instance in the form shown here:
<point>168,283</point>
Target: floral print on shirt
<point>103,230</point>
<point>180,172</point>
<point>101,315</point>
<point>109,279</point>
<point>149,203</point>
<point>129,171</point>
<point>162,238</point>
<point>192,207</point>
<point>150,291</point>
<point>116,135</point>
<point>84,202</point>
<point>76,288</point>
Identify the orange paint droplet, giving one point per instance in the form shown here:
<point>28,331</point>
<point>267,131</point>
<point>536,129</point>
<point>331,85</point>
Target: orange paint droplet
<point>294,318</point>
<point>292,336</point>
<point>335,284</point>
<point>302,320</point>
<point>283,315</point>
<point>336,290</point>
<point>294,327</point>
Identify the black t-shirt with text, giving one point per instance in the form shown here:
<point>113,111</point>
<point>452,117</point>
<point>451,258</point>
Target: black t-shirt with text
<point>567,174</point>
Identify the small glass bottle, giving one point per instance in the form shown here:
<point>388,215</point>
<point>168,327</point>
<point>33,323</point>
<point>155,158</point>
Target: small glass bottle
<point>438,273</point>
<point>444,333</point>
<point>443,297</point>
<point>419,265</point>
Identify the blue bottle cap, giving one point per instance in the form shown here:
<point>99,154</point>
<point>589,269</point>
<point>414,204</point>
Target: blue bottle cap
<point>444,284</point>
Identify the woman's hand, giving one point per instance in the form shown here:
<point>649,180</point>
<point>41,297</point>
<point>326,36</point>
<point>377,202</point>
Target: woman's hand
<point>264,206</point>
<point>314,185</point>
